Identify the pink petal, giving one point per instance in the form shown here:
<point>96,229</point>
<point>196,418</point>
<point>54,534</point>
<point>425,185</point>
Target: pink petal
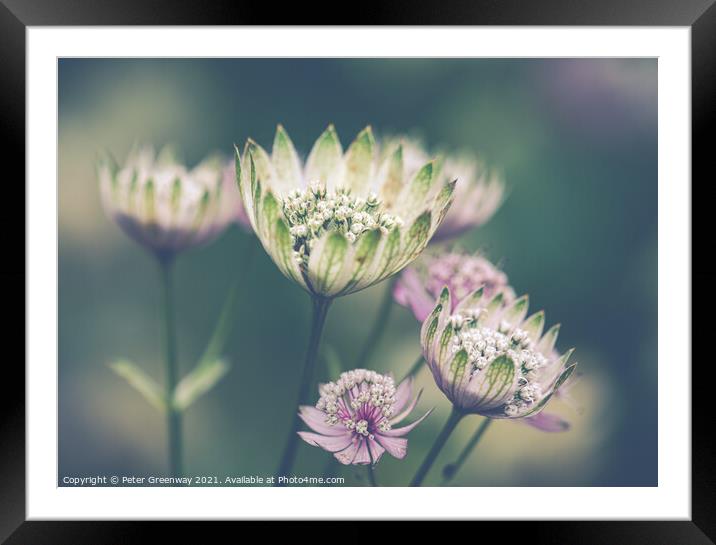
<point>409,292</point>
<point>399,432</point>
<point>362,456</point>
<point>346,456</point>
<point>376,451</point>
<point>547,422</point>
<point>401,416</point>
<point>402,394</point>
<point>315,420</point>
<point>397,447</point>
<point>330,443</point>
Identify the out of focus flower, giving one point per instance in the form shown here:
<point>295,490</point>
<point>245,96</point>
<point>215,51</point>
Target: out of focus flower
<point>478,194</point>
<point>161,204</point>
<point>355,415</point>
<point>419,285</point>
<point>343,221</point>
<point>489,360</point>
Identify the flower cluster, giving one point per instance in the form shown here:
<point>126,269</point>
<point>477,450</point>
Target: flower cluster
<point>355,415</point>
<point>313,211</point>
<point>164,206</point>
<point>419,285</point>
<point>341,222</point>
<point>489,360</point>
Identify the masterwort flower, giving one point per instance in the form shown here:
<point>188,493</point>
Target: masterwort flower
<point>164,206</point>
<point>489,360</point>
<point>341,222</point>
<point>420,284</point>
<point>355,415</point>
<point>479,193</point>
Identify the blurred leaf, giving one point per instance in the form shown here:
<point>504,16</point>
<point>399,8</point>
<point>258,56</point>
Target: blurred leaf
<point>202,379</point>
<point>141,382</point>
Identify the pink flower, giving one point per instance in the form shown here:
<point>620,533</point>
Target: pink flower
<point>355,415</point>
<point>420,285</point>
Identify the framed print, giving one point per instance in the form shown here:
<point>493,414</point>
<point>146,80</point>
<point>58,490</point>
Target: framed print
<point>437,271</point>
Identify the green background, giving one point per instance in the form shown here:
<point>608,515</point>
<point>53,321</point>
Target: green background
<point>577,142</point>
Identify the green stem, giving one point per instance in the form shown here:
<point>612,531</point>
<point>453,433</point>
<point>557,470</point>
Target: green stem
<point>174,427</point>
<point>415,368</point>
<point>320,310</point>
<point>376,332</point>
<point>450,470</point>
<point>371,474</point>
<point>452,422</point>
<point>224,324</point>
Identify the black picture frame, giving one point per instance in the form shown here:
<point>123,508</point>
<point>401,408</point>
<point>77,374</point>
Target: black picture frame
<point>16,15</point>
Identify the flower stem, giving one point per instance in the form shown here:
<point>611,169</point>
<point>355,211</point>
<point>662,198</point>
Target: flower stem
<point>450,470</point>
<point>371,475</point>
<point>174,427</point>
<point>415,368</point>
<point>320,310</point>
<point>224,324</point>
<point>376,332</point>
<point>452,422</point>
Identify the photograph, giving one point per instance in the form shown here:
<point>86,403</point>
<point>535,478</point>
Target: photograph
<point>358,272</point>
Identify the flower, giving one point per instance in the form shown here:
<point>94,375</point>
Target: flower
<point>489,360</point>
<point>164,206</point>
<point>419,285</point>
<point>478,195</point>
<point>355,415</point>
<point>343,221</point>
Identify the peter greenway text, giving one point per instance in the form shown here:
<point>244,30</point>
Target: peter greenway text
<point>198,480</point>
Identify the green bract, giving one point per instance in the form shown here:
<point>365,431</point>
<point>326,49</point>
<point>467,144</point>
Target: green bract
<point>342,221</point>
<point>489,360</point>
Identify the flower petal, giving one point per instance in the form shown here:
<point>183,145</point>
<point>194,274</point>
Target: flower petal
<point>405,412</point>
<point>347,455</point>
<point>546,422</point>
<point>414,241</point>
<point>362,456</point>
<point>327,261</point>
<point>286,162</point>
<point>402,394</point>
<point>399,432</point>
<point>409,292</point>
<point>547,342</point>
<point>281,251</point>
<point>325,158</point>
<point>376,451</point>
<point>414,195</point>
<point>331,443</point>
<point>359,162</point>
<point>397,447</point>
<point>358,263</point>
<point>393,178</point>
<point>490,387</point>
<point>265,172</point>
<point>316,420</point>
<point>515,313</point>
<point>534,325</point>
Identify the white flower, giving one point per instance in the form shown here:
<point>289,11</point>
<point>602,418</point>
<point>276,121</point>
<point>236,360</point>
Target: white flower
<point>164,206</point>
<point>493,362</point>
<point>341,222</point>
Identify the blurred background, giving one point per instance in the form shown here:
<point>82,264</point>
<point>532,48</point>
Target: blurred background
<point>577,142</point>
